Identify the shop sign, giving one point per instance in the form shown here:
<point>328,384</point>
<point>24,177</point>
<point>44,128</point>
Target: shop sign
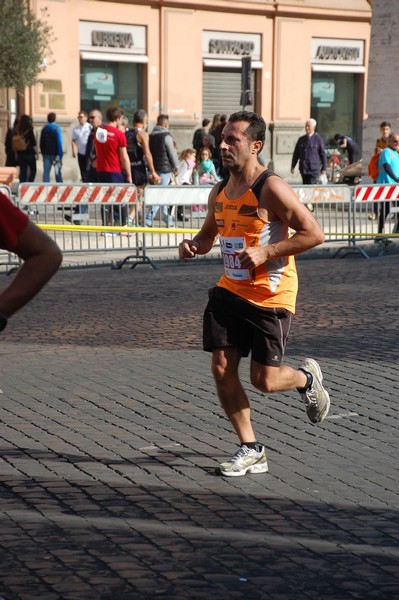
<point>235,47</point>
<point>228,45</point>
<point>111,37</point>
<point>337,52</point>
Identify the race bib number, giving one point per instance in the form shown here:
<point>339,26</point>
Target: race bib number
<point>229,247</point>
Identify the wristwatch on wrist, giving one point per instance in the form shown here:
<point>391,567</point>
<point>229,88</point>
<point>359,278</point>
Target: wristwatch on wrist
<point>3,321</point>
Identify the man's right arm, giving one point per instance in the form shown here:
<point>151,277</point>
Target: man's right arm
<point>295,158</point>
<point>322,154</point>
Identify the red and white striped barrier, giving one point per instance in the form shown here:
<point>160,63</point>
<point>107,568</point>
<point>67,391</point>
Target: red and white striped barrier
<point>63,193</point>
<point>376,192</point>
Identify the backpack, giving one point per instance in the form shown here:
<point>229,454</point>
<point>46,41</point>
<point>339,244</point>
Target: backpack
<point>18,143</point>
<point>373,167</point>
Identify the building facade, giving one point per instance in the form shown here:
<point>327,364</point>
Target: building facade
<point>382,68</point>
<point>308,59</point>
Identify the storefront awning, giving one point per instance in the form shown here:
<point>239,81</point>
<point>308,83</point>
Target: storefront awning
<point>230,64</point>
<point>338,68</point>
<point>114,57</point>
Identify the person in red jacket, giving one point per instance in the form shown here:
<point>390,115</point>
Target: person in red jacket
<point>40,254</point>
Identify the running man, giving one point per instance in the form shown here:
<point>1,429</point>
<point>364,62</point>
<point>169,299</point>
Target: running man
<point>251,307</point>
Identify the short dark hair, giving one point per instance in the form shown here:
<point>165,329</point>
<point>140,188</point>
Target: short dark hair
<point>205,122</point>
<point>51,117</point>
<point>139,116</point>
<point>25,123</point>
<point>113,113</point>
<point>162,119</point>
<point>385,124</point>
<point>256,130</point>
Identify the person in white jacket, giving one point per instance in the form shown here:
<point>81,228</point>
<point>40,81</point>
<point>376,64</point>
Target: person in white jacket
<point>185,175</point>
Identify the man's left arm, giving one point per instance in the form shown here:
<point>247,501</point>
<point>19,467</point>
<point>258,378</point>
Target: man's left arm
<point>59,142</point>
<point>171,152</point>
<point>322,154</point>
<point>280,203</point>
<point>41,257</point>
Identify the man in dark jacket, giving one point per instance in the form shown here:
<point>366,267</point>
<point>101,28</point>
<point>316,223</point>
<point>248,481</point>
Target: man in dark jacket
<point>200,133</point>
<point>51,148</point>
<point>310,152</point>
<point>346,143</point>
<point>165,161</point>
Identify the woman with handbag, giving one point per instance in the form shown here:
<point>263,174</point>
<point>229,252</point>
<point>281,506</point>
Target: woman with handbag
<point>26,154</point>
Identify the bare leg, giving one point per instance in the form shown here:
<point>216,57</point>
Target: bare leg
<point>231,394</point>
<point>132,211</point>
<point>276,379</point>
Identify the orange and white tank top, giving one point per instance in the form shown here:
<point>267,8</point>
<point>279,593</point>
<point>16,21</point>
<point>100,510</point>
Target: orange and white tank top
<point>271,285</point>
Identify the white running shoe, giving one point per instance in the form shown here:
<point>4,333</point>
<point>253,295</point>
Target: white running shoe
<point>245,460</point>
<point>316,398</point>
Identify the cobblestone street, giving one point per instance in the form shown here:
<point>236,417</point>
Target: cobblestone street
<point>111,431</point>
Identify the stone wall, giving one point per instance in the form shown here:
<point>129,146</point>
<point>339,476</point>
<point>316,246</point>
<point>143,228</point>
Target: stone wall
<point>383,70</point>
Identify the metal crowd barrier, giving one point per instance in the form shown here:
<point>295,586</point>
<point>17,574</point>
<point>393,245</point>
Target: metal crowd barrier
<point>86,217</point>
<point>4,189</point>
<point>8,259</point>
<point>331,207</point>
<point>376,213</point>
<point>345,214</point>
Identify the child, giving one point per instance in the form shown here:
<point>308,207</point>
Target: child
<point>205,172</point>
<point>186,166</point>
<point>185,175</point>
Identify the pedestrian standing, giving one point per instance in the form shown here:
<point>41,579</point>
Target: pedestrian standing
<point>51,148</point>
<point>26,156</point>
<point>388,166</point>
<point>166,163</point>
<point>310,152</point>
<point>141,162</point>
<point>80,136</point>
<point>113,165</point>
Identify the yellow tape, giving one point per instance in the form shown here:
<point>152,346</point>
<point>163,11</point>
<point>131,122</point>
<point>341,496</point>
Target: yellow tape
<point>371,235</point>
<point>172,230</point>
<point>116,229</point>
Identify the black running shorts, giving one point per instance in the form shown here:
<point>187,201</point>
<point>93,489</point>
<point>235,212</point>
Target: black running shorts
<point>231,321</point>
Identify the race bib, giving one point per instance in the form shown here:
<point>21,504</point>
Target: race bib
<point>229,247</point>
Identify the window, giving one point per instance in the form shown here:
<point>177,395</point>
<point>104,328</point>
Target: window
<point>334,104</point>
<point>106,83</point>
